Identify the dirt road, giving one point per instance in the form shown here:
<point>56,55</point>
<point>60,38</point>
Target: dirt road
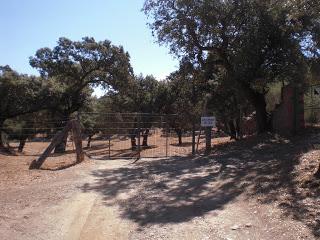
<point>94,205</point>
<point>230,195</point>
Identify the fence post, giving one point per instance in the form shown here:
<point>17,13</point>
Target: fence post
<point>109,147</point>
<point>139,130</point>
<point>167,145</point>
<point>198,141</point>
<point>208,140</point>
<point>36,164</point>
<point>193,138</point>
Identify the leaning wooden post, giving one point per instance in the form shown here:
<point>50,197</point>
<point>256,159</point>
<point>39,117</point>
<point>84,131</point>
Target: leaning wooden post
<point>73,125</point>
<point>167,139</point>
<point>76,132</point>
<point>139,141</point>
<point>36,164</point>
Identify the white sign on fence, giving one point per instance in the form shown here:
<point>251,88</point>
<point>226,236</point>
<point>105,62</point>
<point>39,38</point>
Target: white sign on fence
<point>208,122</point>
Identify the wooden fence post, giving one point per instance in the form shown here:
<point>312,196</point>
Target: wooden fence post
<point>36,164</point>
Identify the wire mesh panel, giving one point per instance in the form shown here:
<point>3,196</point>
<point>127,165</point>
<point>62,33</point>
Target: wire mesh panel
<point>33,137</point>
<point>180,143</point>
<point>130,135</point>
<point>113,135</point>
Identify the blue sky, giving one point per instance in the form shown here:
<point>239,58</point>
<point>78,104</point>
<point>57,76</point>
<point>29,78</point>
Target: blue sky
<point>27,25</point>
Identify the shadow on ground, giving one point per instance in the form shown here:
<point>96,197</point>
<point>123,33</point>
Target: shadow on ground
<point>178,189</point>
<point>109,154</point>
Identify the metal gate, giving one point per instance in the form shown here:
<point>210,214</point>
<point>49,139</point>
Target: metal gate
<point>134,135</point>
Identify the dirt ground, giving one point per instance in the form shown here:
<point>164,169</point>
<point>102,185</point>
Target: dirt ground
<point>159,145</point>
<point>260,188</point>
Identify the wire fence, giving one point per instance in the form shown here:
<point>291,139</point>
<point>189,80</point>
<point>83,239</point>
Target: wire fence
<point>113,135</point>
<point>130,135</point>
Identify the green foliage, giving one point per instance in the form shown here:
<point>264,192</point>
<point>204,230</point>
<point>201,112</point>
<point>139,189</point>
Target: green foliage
<point>77,64</point>
<point>90,120</point>
<point>184,96</point>
<point>68,73</point>
<point>242,45</point>
<point>142,96</point>
<point>20,94</point>
<point>29,125</point>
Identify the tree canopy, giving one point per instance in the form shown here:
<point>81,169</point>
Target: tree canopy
<point>20,94</point>
<point>247,43</point>
<point>79,64</point>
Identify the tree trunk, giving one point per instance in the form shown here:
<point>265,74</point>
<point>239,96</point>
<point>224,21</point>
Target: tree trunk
<point>145,138</point>
<point>208,139</point>
<point>1,140</point>
<point>133,141</point>
<point>259,102</point>
<point>317,174</point>
<point>133,134</point>
<point>76,135</point>
<point>225,127</point>
<point>89,141</point>
<point>193,138</point>
<point>179,134</point>
<point>180,139</point>
<point>261,115</point>
<point>36,164</point>
<point>61,147</point>
<point>238,128</point>
<point>22,144</point>
<point>232,130</point>
<point>235,129</point>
